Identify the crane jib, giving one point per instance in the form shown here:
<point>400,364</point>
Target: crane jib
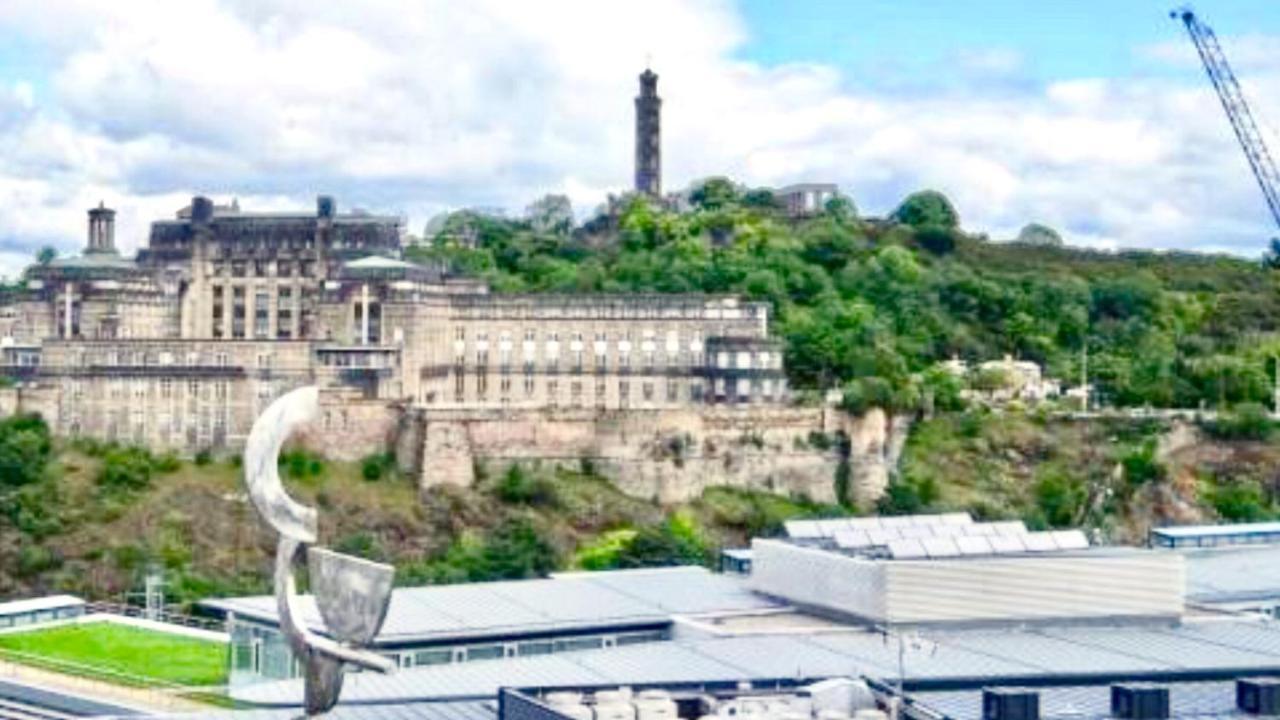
<point>1237,109</point>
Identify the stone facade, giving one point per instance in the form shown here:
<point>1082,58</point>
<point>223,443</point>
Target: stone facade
<point>670,455</point>
<point>224,310</point>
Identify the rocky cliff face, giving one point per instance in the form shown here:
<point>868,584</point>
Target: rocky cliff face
<point>672,456</point>
<point>876,441</point>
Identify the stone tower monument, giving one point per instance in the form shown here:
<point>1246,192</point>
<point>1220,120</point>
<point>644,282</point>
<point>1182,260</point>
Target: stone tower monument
<point>102,230</point>
<point>648,136</point>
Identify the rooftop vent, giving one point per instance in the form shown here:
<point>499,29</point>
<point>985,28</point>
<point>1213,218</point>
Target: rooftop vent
<point>1140,702</point>
<point>1010,704</point>
<point>1258,696</point>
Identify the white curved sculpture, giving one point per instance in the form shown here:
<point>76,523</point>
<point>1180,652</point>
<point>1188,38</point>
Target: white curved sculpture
<point>352,594</point>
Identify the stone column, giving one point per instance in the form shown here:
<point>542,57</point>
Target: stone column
<point>66,310</point>
<point>364,314</point>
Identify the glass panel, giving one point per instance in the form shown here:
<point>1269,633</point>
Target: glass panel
<point>433,657</point>
<point>484,652</point>
<point>541,647</point>
<point>586,643</point>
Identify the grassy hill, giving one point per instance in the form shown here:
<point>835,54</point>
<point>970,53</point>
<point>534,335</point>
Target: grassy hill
<point>94,519</point>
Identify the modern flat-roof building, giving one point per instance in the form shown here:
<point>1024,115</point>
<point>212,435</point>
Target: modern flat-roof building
<point>949,569</point>
<point>20,613</point>
<point>1184,536</point>
<point>446,624</point>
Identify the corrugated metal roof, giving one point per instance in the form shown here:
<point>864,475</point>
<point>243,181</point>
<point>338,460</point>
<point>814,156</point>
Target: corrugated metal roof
<point>1233,574</point>
<point>563,602</point>
<point>1192,531</point>
<point>467,710</point>
<point>987,656</point>
<point>50,602</point>
<point>1085,702</point>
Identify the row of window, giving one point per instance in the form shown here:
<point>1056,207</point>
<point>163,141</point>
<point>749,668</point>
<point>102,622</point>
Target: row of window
<point>141,358</point>
<point>590,311</point>
<point>165,388</point>
<point>672,391</point>
<point>265,654</point>
<point>265,268</point>
<point>290,320</point>
<point>577,362</point>
<point>32,617</point>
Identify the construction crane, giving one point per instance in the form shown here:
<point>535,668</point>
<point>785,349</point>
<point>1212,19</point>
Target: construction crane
<point>1224,81</point>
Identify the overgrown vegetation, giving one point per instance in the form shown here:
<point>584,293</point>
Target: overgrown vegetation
<point>1106,474</point>
<point>871,307</point>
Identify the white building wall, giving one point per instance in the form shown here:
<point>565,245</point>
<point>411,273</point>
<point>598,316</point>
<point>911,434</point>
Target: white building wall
<point>997,589</point>
<point>1139,584</point>
<point>818,579</point>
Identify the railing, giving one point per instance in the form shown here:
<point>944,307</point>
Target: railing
<point>164,616</point>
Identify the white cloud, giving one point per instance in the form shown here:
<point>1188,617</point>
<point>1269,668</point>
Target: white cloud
<point>417,105</point>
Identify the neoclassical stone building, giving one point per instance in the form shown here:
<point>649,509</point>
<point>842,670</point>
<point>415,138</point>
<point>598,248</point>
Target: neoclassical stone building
<point>223,310</point>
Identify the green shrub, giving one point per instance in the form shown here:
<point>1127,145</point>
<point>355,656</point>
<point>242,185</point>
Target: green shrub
<point>126,468</point>
<point>377,466</point>
<point>937,240</point>
<point>300,464</point>
<point>907,496</point>
<point>514,550</point>
<point>1239,501</point>
<point>204,457</point>
<point>1246,421</point>
<point>362,544</point>
<point>25,450</point>
<point>1140,466</point>
<point>1060,499</point>
<point>36,559</point>
<point>519,486</point>
<point>166,463</point>
<point>602,554</point>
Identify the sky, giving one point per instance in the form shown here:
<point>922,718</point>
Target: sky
<point>1092,117</point>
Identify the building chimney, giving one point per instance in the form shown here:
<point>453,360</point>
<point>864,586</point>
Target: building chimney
<point>325,207</point>
<point>201,209</point>
<point>102,230</point>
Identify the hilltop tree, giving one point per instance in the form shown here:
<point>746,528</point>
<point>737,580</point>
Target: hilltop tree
<point>714,193</point>
<point>927,208</point>
<point>551,213</point>
<point>1037,234</point>
<point>841,208</point>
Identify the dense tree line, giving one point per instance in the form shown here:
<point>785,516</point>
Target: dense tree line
<point>872,305</point>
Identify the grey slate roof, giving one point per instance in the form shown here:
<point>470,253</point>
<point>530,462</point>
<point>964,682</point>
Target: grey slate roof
<point>525,607</point>
<point>971,658</point>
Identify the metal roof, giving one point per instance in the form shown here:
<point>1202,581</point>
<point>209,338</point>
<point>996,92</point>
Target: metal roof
<point>50,602</point>
<point>466,710</point>
<point>60,701</point>
<point>1233,574</point>
<point>1191,531</point>
<point>1089,702</point>
<point>967,658</point>
<point>525,607</point>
